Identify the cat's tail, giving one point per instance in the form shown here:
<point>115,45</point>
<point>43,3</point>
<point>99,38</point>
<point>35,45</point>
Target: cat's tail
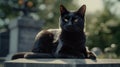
<point>18,55</point>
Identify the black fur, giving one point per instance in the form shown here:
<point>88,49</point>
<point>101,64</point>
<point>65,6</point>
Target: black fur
<point>70,35</point>
<point>44,42</point>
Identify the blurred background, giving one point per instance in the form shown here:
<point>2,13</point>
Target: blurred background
<point>102,26</point>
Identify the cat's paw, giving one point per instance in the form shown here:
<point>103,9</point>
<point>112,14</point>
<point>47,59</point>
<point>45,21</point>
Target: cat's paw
<point>91,55</point>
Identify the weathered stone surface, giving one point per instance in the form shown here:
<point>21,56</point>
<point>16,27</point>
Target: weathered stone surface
<point>63,63</point>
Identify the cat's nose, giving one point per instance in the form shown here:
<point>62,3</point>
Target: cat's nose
<point>69,27</point>
<point>69,24</point>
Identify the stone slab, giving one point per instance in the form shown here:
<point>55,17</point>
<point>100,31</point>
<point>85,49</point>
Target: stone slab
<point>63,63</point>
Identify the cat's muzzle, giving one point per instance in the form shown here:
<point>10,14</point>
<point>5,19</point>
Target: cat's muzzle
<point>69,28</point>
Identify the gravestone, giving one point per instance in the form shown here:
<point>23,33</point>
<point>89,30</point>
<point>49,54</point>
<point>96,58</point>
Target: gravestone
<point>4,42</point>
<point>22,34</point>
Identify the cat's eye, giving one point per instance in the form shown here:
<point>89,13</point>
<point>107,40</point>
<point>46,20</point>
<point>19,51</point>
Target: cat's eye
<point>76,20</point>
<point>66,20</point>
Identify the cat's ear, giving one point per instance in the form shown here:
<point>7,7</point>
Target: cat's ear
<point>63,10</point>
<point>82,10</point>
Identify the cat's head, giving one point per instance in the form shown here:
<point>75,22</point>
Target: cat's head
<point>72,21</point>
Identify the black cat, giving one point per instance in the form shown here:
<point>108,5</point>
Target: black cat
<point>66,42</point>
<point>72,32</point>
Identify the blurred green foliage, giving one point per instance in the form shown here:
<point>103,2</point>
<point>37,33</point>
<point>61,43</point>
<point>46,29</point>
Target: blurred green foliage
<point>49,10</point>
<point>102,28</point>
